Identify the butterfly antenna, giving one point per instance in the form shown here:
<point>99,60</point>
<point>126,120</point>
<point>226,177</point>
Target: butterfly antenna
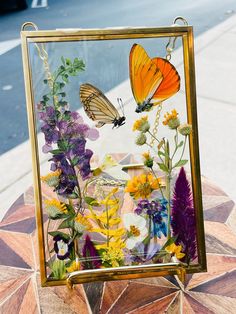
<point>121,105</point>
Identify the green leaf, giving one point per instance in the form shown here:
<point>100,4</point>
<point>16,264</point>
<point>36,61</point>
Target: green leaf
<point>56,151</point>
<point>169,242</point>
<point>91,201</point>
<point>160,153</point>
<point>63,60</point>
<point>67,223</point>
<point>163,167</point>
<point>181,144</point>
<point>68,61</point>
<point>59,233</point>
<point>45,81</point>
<point>180,163</point>
<point>75,161</point>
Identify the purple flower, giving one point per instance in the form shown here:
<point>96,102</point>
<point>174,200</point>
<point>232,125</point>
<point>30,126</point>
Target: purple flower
<point>157,212</point>
<point>183,220</point>
<point>92,259</point>
<point>62,247</point>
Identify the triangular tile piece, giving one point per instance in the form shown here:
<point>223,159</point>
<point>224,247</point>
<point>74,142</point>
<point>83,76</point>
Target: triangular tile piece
<point>51,303</point>
<point>220,212</point>
<point>75,299</point>
<point>24,226</point>
<point>219,238</point>
<point>210,201</point>
<point>126,160</point>
<point>223,285</point>
<point>18,203</point>
<point>174,307</point>
<point>11,280</point>
<point>156,281</point>
<point>137,295</point>
<point>213,245</point>
<point>173,280</point>
<point>215,303</point>
<point>13,304</point>
<point>197,307</point>
<point>11,258</point>
<point>187,307</point>
<point>208,188</point>
<point>23,212</point>
<point>29,302</point>
<point>9,286</point>
<point>155,307</point>
<point>93,292</point>
<point>216,265</point>
<point>112,291</point>
<point>21,244</point>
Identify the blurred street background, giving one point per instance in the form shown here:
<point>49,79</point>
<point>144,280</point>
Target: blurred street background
<point>214,23</point>
<point>52,14</point>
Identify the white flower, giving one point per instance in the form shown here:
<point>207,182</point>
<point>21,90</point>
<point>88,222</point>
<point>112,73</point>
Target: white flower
<point>137,231</point>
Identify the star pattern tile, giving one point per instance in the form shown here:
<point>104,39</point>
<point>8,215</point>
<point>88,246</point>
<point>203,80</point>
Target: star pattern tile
<point>205,293</point>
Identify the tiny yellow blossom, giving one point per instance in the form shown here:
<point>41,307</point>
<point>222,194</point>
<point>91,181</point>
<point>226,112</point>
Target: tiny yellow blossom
<point>52,178</point>
<point>75,265</point>
<point>175,250</point>
<point>82,223</point>
<point>171,119</point>
<point>54,207</point>
<point>113,254</point>
<point>141,124</point>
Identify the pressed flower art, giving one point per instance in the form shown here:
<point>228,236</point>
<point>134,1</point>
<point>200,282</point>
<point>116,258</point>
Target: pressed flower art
<point>117,160</point>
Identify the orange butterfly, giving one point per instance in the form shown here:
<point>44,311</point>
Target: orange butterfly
<point>152,80</point>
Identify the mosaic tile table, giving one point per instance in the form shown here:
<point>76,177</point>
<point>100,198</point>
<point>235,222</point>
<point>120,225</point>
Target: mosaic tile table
<point>211,292</point>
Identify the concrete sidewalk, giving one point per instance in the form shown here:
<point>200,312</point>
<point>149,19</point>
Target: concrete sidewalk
<point>215,52</point>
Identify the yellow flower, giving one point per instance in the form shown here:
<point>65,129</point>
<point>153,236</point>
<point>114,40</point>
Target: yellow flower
<point>142,186</point>
<point>113,254</point>
<point>52,178</point>
<point>175,250</point>
<point>75,265</point>
<point>141,124</point>
<point>82,223</point>
<point>55,207</point>
<point>148,160</point>
<point>171,119</point>
<point>185,129</point>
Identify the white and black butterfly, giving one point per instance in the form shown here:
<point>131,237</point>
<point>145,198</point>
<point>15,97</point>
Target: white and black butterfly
<point>99,108</point>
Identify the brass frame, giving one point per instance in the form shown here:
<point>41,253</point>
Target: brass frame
<point>186,33</point>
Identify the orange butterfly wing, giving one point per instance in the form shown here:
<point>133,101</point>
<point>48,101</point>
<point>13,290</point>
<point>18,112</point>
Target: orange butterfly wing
<point>170,83</point>
<point>145,76</point>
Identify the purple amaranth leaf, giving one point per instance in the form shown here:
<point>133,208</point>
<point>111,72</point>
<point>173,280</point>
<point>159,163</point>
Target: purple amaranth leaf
<point>92,259</point>
<point>183,220</point>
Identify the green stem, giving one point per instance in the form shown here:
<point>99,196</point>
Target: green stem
<point>158,183</point>
<point>176,145</point>
<point>185,141</point>
<point>154,136</point>
<point>50,257</point>
<point>168,178</point>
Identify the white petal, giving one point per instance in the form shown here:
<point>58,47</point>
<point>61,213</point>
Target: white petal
<point>130,243</point>
<point>128,220</point>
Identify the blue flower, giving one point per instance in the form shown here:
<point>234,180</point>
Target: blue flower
<point>157,212</point>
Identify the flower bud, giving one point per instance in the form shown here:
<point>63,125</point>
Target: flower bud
<point>185,129</point>
<point>141,139</point>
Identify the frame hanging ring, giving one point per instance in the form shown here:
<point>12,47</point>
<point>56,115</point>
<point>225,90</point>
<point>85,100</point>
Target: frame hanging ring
<point>29,24</point>
<point>171,43</point>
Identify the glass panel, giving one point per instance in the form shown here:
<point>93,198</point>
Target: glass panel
<point>114,155</point>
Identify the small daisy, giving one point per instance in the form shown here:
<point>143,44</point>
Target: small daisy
<point>136,227</point>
